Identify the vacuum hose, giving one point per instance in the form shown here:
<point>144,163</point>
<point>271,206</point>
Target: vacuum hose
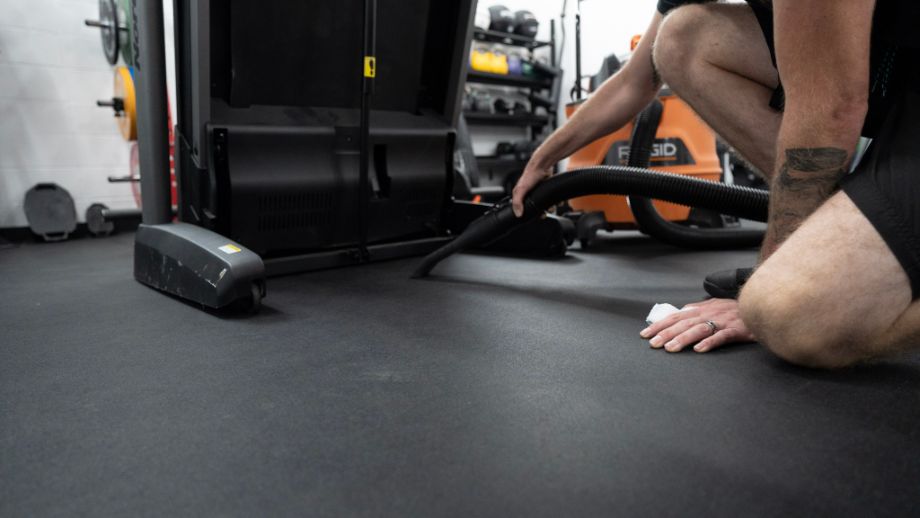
<point>738,201</point>
<point>647,216</point>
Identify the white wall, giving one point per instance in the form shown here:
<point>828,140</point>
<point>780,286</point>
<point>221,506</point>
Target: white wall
<point>52,71</point>
<point>607,26</point>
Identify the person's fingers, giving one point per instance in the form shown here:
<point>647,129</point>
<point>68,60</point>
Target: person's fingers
<point>666,335</point>
<point>723,337</point>
<point>524,185</point>
<point>517,199</point>
<point>689,327</point>
<point>667,322</point>
<point>688,337</point>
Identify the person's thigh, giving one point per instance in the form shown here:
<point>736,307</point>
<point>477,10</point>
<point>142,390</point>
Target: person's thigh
<point>715,57</point>
<point>830,292</point>
<point>727,36</point>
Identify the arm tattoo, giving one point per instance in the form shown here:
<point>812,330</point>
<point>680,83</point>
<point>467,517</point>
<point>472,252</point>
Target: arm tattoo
<point>807,178</point>
<point>813,170</point>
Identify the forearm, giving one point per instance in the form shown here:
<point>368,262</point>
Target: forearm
<point>822,53</point>
<point>816,150</point>
<point>611,107</point>
<point>614,105</point>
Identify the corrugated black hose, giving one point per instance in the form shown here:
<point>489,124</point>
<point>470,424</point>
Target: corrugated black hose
<point>738,201</point>
<point>647,216</point>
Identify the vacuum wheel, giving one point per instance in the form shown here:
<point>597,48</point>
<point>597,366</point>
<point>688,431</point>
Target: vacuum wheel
<point>255,298</point>
<point>253,303</point>
<point>587,226</point>
<point>257,293</point>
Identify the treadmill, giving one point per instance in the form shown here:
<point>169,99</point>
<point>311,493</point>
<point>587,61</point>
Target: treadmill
<point>309,135</point>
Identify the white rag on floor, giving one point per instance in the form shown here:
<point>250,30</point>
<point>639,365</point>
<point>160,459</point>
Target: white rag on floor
<point>660,311</point>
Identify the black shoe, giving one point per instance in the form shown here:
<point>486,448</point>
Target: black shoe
<point>727,283</point>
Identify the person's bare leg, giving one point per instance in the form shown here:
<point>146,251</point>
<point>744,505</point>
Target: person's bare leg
<point>833,294</point>
<point>715,58</point>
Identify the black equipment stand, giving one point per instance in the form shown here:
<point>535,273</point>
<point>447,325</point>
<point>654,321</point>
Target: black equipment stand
<point>152,125</point>
<point>369,69</point>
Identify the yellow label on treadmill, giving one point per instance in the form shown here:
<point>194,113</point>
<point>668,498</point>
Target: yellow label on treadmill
<point>230,249</point>
<point>370,66</point>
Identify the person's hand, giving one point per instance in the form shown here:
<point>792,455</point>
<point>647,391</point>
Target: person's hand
<point>532,175</point>
<point>690,328</point>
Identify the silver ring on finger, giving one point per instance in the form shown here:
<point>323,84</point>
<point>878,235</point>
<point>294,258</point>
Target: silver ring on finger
<point>712,327</point>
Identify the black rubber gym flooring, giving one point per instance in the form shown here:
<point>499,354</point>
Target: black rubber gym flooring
<point>499,387</point>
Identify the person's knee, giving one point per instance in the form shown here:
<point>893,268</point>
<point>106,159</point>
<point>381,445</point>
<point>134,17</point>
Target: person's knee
<point>678,42</point>
<point>787,321</point>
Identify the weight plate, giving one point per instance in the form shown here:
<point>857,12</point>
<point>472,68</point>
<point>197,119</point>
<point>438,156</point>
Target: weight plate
<point>126,34</point>
<point>172,155</point>
<point>124,90</point>
<point>135,172</point>
<point>95,220</point>
<point>108,17</point>
<point>50,211</point>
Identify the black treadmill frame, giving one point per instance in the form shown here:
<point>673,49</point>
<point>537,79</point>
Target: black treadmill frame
<point>194,61</point>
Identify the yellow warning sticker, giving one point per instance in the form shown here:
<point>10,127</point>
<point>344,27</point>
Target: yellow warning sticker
<point>370,66</point>
<point>230,249</point>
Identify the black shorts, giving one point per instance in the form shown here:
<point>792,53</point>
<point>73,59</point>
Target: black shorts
<point>885,186</point>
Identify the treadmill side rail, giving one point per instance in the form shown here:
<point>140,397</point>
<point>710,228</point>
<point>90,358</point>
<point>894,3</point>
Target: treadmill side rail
<point>196,264</point>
